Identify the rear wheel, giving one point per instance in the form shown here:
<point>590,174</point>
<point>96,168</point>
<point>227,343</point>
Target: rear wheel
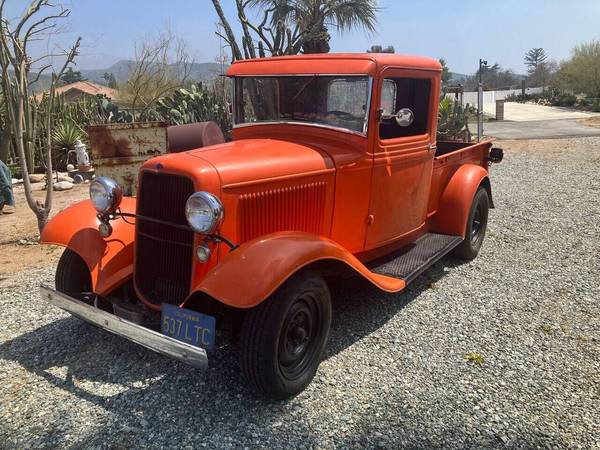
<point>283,338</point>
<point>72,274</point>
<point>476,226</point>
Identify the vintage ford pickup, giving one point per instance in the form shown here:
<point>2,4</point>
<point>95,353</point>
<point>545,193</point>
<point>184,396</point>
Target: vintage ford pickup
<point>333,170</point>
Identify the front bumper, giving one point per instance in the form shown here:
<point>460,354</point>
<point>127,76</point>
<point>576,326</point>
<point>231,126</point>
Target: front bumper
<point>153,340</point>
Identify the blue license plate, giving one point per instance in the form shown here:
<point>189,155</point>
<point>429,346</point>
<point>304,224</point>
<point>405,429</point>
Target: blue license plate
<point>188,326</point>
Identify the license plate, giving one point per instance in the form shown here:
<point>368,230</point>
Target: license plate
<point>188,326</point>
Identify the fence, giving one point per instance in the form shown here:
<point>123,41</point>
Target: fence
<point>490,97</point>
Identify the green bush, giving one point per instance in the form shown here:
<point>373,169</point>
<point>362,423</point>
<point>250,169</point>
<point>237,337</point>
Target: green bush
<point>564,100</point>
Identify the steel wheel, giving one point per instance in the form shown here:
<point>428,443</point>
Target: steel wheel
<point>476,226</point>
<point>299,337</point>
<point>283,338</point>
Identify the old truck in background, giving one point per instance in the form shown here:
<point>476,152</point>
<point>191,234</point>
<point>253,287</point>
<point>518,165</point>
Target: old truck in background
<point>333,171</point>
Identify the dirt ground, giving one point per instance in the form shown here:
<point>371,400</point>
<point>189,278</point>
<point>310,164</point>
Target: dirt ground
<point>592,122</point>
<point>19,236</point>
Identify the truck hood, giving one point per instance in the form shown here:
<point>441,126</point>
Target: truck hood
<point>259,159</point>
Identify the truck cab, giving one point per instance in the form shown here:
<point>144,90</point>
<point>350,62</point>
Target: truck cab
<point>333,169</point>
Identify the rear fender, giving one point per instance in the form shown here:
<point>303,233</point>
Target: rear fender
<point>455,202</point>
<point>109,260</point>
<point>249,274</point>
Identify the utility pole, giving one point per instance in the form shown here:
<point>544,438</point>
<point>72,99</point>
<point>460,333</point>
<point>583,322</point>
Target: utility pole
<point>482,65</point>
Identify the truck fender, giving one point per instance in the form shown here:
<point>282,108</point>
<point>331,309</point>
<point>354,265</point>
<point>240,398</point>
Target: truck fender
<point>455,202</point>
<point>109,260</point>
<point>249,274</point>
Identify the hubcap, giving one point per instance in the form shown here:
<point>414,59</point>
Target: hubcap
<point>298,341</point>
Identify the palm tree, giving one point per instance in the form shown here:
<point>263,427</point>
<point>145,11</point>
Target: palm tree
<point>313,18</point>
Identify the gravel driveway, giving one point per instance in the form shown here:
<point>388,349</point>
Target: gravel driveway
<point>395,374</point>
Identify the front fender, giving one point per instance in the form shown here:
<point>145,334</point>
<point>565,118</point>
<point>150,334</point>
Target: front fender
<point>248,275</point>
<point>455,202</point>
<point>109,260</point>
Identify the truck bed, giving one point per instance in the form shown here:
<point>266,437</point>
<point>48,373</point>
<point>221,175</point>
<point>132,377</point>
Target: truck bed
<point>445,147</point>
<point>449,156</point>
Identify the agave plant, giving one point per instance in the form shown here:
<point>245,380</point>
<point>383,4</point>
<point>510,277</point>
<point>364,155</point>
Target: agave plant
<point>64,137</point>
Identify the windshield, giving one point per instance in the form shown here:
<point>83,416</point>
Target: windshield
<point>336,101</point>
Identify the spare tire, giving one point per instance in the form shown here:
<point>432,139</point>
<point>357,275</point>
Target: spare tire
<point>181,138</point>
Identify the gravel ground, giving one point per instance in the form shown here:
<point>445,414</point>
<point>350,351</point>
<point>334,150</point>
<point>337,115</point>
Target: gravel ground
<point>396,372</point>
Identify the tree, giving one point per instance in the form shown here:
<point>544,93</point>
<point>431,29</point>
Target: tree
<point>71,76</point>
<point>537,70</point>
<point>494,78</point>
<point>581,73</point>
<point>381,49</point>
<point>446,75</point>
<point>110,79</point>
<point>162,64</point>
<point>16,65</point>
<point>288,27</point>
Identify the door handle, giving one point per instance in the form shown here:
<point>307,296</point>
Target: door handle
<point>432,147</point>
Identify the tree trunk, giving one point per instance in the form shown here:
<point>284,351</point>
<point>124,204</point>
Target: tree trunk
<point>316,42</point>
<point>5,144</point>
<point>235,49</point>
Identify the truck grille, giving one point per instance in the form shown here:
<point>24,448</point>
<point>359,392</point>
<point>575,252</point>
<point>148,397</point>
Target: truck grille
<point>163,254</point>
<point>297,208</point>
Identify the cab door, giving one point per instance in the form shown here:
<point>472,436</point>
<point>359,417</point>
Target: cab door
<point>403,154</point>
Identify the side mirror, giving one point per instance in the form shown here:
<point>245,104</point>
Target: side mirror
<point>496,155</point>
<point>405,117</point>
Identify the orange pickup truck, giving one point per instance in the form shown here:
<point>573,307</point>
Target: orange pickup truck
<point>333,170</point>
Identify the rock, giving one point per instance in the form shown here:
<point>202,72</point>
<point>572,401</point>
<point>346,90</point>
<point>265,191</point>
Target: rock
<point>70,167</point>
<point>62,177</point>
<point>37,178</point>
<point>14,181</point>
<point>63,186</point>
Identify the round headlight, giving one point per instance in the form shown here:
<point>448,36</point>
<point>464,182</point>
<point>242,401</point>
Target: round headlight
<point>105,194</point>
<point>204,212</point>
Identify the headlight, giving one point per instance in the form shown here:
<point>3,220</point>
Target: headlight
<point>105,194</point>
<point>204,212</point>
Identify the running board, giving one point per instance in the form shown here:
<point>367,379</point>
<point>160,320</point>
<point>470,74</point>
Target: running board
<point>410,262</point>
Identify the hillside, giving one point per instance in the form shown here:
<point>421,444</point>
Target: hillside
<point>121,70</point>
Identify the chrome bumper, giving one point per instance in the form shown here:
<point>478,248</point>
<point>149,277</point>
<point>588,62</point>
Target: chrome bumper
<point>153,340</point>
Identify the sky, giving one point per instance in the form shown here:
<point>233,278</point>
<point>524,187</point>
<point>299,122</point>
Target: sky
<point>460,31</point>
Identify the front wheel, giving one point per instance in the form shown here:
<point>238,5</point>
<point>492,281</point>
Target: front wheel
<point>476,226</point>
<point>283,338</point>
<point>72,274</point>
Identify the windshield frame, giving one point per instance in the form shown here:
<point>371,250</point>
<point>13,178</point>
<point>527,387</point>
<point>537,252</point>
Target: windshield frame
<point>362,133</point>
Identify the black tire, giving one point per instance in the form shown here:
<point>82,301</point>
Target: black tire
<point>476,226</point>
<point>72,274</point>
<point>283,338</point>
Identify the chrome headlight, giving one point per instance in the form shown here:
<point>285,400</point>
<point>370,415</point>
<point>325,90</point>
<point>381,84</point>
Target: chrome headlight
<point>105,194</point>
<point>204,212</point>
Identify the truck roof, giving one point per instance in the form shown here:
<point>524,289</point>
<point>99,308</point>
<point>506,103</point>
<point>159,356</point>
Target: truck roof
<point>331,63</point>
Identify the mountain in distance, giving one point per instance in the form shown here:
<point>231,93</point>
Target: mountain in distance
<point>121,70</point>
<point>457,78</point>
<point>204,72</point>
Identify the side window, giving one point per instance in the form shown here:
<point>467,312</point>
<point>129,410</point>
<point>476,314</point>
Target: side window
<point>405,107</point>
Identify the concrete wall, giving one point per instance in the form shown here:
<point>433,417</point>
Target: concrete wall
<point>490,97</point>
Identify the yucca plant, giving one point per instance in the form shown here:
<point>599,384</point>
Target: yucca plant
<point>64,137</point>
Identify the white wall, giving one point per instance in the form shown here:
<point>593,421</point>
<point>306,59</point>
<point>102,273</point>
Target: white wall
<point>492,96</point>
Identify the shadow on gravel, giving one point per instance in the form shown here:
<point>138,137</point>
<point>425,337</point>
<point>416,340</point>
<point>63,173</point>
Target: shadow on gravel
<point>147,391</point>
